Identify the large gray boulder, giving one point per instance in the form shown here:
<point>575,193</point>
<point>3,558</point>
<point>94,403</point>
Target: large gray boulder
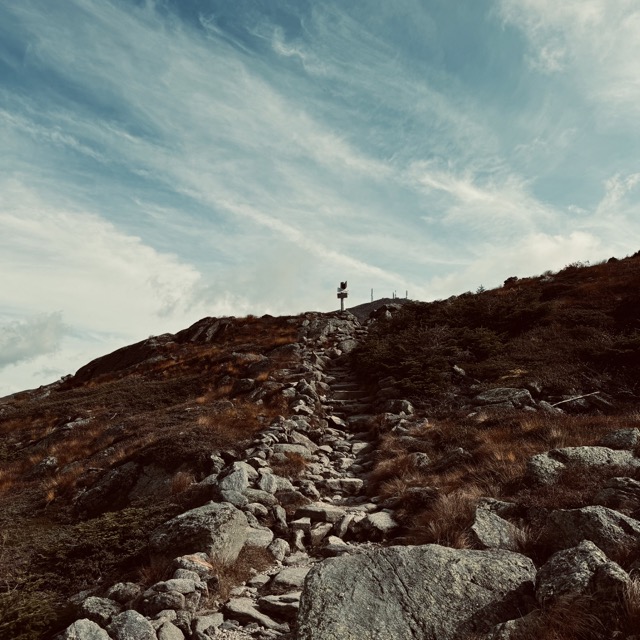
<point>621,439</point>
<point>611,531</point>
<point>415,593</point>
<point>578,571</point>
<point>131,625</point>
<point>545,468</point>
<point>99,610</point>
<point>84,630</point>
<point>622,494</point>
<point>218,529</point>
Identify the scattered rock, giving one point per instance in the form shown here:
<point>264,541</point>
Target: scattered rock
<point>130,625</point>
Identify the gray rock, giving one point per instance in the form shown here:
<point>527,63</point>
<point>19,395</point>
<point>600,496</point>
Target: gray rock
<point>299,438</point>
<point>235,498</point>
<point>99,610</point>
<point>169,631</point>
<point>347,346</point>
<point>130,625</point>
<point>84,630</point>
<point>318,532</point>
<point>279,548</point>
<point>237,480</point>
<point>621,439</point>
<point>490,531</point>
<point>198,563</point>
<point>217,529</point>
<point>284,606</point>
<point>577,571</point>
<point>181,585</point>
<point>111,491</point>
<point>413,592</point>
<point>545,468</point>
<point>378,526</point>
<point>619,493</point>
<point>261,497</point>
<point>299,449</point>
<point>609,530</point>
<point>289,579</point>
<point>513,396</point>
<point>124,592</point>
<point>243,609</point>
<point>259,538</point>
<point>207,624</point>
<point>153,602</point>
<point>421,461</point>
<point>320,512</point>
<point>350,486</point>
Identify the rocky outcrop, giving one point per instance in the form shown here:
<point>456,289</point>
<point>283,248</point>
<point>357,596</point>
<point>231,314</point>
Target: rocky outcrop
<point>219,529</point>
<point>611,531</point>
<point>545,468</point>
<point>415,592</point>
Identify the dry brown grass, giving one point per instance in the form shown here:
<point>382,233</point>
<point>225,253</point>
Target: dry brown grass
<point>158,568</point>
<point>230,575</point>
<point>293,467</point>
<point>447,519</point>
<point>499,448</point>
<point>181,481</point>
<point>568,618</point>
<point>632,603</point>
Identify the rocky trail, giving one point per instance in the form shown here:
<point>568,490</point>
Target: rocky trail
<point>320,514</point>
<point>297,494</point>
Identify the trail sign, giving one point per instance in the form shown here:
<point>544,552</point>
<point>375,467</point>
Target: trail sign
<point>342,294</point>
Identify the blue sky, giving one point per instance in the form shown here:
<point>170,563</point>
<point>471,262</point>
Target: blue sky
<point>172,159</point>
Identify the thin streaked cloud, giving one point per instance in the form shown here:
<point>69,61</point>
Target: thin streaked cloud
<point>167,160</point>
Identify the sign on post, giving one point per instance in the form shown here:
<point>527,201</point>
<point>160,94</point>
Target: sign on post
<point>342,294</point>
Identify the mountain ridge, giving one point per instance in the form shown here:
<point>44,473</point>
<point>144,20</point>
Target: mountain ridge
<point>314,433</point>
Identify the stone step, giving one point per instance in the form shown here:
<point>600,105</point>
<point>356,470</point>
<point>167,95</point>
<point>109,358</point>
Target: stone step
<point>345,386</point>
<point>359,420</point>
<point>351,409</point>
<point>349,394</point>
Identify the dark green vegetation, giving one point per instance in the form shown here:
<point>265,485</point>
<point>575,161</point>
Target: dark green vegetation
<point>575,331</point>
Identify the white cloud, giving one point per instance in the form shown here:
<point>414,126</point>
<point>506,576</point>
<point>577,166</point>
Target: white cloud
<point>598,40</point>
<point>503,199</point>
<point>531,254</point>
<point>24,340</point>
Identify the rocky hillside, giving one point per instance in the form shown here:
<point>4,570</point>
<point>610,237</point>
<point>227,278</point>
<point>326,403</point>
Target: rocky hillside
<point>464,469</point>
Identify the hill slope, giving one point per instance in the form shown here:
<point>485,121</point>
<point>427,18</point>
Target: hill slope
<point>502,425</point>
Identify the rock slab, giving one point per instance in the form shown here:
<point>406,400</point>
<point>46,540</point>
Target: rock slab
<point>415,593</point>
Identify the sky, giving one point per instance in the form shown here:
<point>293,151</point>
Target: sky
<point>166,160</point>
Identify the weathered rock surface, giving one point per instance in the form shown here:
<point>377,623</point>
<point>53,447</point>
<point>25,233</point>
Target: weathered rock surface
<point>607,529</point>
<point>84,629</point>
<point>218,529</point>
<point>130,625</point>
<point>545,468</point>
<point>490,531</point>
<point>413,592</point>
<point>577,571</point>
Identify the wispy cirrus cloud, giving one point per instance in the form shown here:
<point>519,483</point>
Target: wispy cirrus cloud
<point>168,160</point>
<point>598,41</point>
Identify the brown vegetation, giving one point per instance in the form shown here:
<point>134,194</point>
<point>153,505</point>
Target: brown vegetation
<point>165,402</point>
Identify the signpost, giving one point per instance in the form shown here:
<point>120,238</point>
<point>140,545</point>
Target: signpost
<point>342,294</point>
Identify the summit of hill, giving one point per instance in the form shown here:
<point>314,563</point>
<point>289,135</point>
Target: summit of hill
<point>467,468</point>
